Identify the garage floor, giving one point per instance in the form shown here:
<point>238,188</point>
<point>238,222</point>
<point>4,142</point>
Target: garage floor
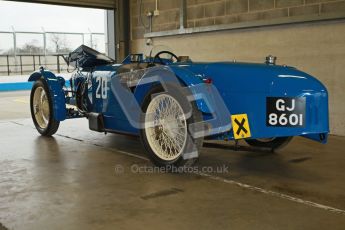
<point>81,179</point>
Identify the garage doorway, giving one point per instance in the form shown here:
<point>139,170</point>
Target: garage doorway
<point>50,32</point>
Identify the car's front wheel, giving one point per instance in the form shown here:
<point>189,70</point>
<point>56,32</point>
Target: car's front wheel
<point>272,143</point>
<point>166,135</point>
<point>42,109</point>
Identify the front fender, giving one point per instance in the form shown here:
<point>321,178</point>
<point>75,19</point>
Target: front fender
<point>55,85</point>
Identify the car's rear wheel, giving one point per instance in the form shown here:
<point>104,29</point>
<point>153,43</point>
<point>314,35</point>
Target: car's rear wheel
<point>42,109</point>
<point>168,138</point>
<point>272,143</point>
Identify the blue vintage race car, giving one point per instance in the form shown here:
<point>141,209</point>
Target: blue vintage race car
<point>173,104</point>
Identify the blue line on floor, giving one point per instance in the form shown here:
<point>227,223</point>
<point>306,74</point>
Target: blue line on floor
<point>14,86</point>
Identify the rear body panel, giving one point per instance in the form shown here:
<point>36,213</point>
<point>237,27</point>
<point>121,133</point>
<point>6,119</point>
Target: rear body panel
<point>245,88</point>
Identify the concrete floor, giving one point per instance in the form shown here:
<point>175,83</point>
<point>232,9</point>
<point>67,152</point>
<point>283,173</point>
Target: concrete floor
<point>81,179</point>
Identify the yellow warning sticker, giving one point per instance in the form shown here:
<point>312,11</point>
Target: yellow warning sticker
<point>240,126</point>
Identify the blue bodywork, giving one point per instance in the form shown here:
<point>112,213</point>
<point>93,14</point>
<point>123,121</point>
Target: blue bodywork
<point>244,88</point>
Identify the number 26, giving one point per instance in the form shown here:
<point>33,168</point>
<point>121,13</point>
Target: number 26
<point>102,88</point>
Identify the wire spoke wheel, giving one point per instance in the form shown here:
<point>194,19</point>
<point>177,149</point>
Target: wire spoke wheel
<point>265,140</point>
<point>41,107</point>
<point>272,143</point>
<point>168,135</point>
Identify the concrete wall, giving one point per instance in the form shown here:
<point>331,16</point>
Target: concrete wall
<point>316,48</point>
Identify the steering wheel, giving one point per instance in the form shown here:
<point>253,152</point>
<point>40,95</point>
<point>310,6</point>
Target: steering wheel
<point>157,56</point>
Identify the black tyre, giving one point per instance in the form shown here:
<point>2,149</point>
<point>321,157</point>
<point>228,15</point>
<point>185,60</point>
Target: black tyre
<point>272,143</point>
<point>167,142</point>
<point>41,106</point>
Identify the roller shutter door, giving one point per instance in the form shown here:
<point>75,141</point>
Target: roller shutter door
<point>103,4</point>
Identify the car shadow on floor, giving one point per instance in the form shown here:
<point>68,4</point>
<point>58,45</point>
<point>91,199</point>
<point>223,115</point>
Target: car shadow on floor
<point>256,162</point>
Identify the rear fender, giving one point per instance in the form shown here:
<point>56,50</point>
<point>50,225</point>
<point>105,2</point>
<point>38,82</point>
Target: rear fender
<point>185,77</point>
<point>206,97</point>
<point>55,85</point>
